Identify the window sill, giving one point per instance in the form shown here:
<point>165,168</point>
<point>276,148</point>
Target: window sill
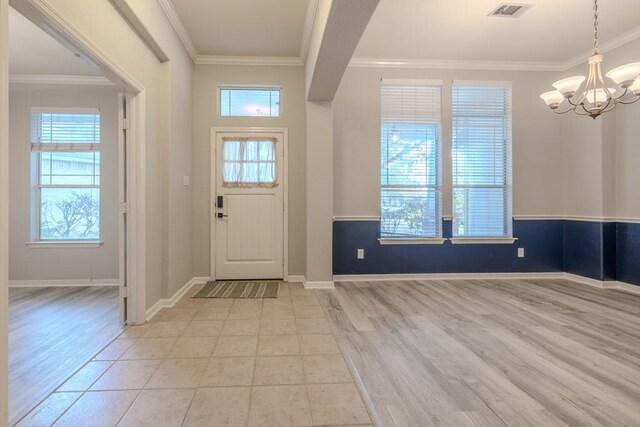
<point>483,240</point>
<point>410,241</point>
<point>71,244</point>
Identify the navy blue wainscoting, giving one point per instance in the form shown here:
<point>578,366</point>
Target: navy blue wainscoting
<point>583,248</point>
<point>541,239</point>
<point>628,253</point>
<point>609,250</point>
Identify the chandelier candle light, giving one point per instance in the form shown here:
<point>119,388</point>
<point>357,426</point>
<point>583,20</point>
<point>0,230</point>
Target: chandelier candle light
<point>595,98</point>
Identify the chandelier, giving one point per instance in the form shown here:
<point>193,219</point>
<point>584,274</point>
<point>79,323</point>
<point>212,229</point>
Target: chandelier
<point>595,98</point>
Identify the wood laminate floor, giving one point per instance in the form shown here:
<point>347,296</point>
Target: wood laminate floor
<point>489,352</point>
<point>53,332</point>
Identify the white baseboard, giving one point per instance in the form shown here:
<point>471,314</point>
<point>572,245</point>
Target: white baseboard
<point>609,284</point>
<point>615,285</point>
<point>622,286</point>
<point>319,285</point>
<point>170,302</point>
<point>63,283</point>
<point>297,279</point>
<point>586,280</point>
<point>443,276</point>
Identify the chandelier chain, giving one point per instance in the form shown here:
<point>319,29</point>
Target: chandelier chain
<point>595,26</point>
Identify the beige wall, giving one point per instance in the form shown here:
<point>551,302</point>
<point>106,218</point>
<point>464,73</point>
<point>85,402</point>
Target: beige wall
<point>60,264</point>
<point>205,116</point>
<point>627,140</point>
<point>601,177</point>
<point>319,193</point>
<point>177,102</point>
<point>168,117</point>
<point>537,148</point>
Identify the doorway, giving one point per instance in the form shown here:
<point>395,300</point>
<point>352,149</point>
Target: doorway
<point>100,104</point>
<point>249,210</point>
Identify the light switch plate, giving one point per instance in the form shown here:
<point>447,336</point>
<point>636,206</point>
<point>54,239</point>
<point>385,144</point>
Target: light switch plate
<point>186,180</point>
<point>520,252</point>
<point>360,253</point>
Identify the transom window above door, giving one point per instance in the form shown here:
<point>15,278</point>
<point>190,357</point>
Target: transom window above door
<point>249,101</point>
<point>249,162</point>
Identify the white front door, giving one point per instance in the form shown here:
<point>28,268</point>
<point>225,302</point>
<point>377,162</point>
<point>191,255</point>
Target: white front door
<point>249,206</point>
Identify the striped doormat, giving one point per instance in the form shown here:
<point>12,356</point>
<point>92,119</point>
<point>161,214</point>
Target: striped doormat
<point>235,289</point>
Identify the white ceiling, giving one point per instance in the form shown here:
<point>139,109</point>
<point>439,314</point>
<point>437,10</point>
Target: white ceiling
<point>244,27</point>
<point>459,30</point>
<point>32,51</point>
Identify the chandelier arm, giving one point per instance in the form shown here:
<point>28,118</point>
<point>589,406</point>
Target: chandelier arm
<point>630,102</point>
<point>563,112</point>
<point>574,109</point>
<point>611,103</point>
<point>585,110</point>
<point>618,98</point>
<point>588,85</point>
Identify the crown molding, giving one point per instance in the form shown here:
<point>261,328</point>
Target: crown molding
<point>289,61</point>
<point>178,26</point>
<point>437,64</point>
<point>59,80</point>
<point>614,43</point>
<point>309,22</point>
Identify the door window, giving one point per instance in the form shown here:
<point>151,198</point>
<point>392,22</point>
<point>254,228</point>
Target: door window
<point>249,162</point>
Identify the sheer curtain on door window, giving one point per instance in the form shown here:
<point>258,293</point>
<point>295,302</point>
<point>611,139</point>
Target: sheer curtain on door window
<point>249,162</point>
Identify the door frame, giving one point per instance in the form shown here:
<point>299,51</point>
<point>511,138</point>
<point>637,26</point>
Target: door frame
<point>49,20</point>
<point>53,23</point>
<point>283,172</point>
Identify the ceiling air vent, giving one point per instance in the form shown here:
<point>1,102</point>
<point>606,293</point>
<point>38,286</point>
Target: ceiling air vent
<point>509,10</point>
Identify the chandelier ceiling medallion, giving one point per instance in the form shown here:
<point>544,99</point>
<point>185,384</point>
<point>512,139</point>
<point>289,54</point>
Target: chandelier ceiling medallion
<point>595,98</point>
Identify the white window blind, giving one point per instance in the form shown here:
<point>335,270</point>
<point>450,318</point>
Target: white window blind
<point>65,144</point>
<point>411,191</point>
<point>65,129</point>
<point>481,155</point>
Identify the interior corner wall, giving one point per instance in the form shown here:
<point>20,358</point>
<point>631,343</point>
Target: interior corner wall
<point>180,196</point>
<point>205,116</point>
<point>537,178</point>
<point>601,186</point>
<point>27,263</point>
<point>101,24</point>
<point>176,199</point>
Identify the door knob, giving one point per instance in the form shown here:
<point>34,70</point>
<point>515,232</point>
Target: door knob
<point>221,215</point>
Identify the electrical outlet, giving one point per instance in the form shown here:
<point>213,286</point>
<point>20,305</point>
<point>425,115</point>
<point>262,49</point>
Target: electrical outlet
<point>520,252</point>
<point>360,253</point>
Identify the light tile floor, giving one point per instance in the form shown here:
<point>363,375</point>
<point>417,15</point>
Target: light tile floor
<point>209,362</point>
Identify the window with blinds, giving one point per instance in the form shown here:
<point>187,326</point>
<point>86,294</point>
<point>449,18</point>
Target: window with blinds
<point>481,156</point>
<point>411,191</point>
<point>65,146</point>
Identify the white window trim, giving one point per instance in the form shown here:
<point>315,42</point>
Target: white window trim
<point>36,188</point>
<point>507,239</point>
<point>247,87</point>
<point>483,240</point>
<point>67,244</point>
<point>411,241</point>
<point>439,188</point>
